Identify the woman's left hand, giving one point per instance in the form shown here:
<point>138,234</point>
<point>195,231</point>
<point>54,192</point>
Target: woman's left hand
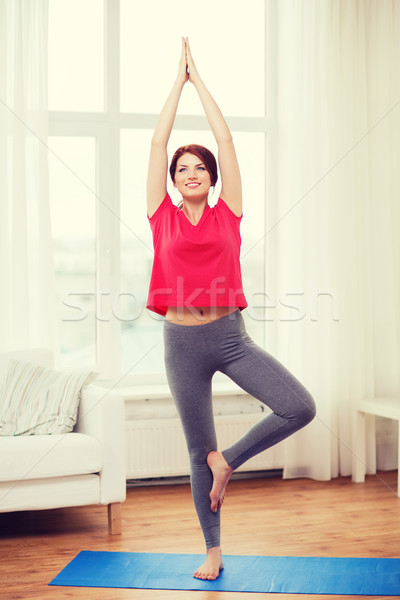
<point>193,73</point>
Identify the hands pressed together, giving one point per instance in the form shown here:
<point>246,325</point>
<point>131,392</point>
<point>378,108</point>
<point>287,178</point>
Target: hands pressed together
<point>187,68</point>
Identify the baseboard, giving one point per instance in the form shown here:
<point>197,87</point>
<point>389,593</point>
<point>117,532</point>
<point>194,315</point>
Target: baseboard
<point>184,479</point>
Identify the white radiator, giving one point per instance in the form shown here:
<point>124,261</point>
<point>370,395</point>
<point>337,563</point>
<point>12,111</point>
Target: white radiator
<point>156,447</point>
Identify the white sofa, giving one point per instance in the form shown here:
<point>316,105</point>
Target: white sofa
<point>86,466</point>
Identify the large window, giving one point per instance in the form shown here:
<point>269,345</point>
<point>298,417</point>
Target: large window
<point>105,93</point>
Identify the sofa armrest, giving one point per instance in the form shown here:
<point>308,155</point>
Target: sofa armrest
<point>101,414</point>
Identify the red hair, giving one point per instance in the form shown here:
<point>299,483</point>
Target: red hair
<point>206,157</point>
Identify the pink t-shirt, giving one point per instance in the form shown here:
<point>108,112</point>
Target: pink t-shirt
<point>195,265</point>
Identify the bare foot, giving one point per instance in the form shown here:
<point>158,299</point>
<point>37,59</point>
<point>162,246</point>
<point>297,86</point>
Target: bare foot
<point>221,472</point>
<point>212,566</point>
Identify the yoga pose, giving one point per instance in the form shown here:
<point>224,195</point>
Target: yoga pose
<point>196,285</point>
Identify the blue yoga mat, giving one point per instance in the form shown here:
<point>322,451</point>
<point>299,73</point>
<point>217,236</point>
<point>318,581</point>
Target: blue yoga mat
<point>285,574</point>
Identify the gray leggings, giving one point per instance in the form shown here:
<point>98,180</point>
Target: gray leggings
<point>192,355</point>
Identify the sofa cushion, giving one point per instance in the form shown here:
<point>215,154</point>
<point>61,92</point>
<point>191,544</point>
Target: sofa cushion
<point>43,456</point>
<point>39,356</point>
<point>38,400</point>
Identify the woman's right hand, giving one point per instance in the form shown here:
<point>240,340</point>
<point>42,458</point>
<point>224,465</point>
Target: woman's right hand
<point>183,74</point>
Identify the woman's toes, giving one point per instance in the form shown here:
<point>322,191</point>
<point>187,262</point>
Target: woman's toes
<point>199,574</point>
<point>211,567</point>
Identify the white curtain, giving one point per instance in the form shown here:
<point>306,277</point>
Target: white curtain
<point>27,298</point>
<point>334,240</point>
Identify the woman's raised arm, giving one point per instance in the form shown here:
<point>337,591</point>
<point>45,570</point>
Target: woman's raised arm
<point>231,191</point>
<point>158,162</point>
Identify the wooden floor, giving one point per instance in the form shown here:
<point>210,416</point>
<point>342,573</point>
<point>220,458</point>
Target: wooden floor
<point>260,517</point>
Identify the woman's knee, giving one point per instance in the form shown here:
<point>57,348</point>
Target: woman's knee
<point>198,454</point>
<point>306,409</point>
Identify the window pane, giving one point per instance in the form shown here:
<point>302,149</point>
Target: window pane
<point>141,335</point>
<point>141,339</point>
<point>73,218</point>
<point>76,55</point>
<point>227,41</point>
<point>250,148</point>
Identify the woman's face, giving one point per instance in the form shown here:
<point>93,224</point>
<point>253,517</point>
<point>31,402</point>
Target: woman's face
<point>191,177</point>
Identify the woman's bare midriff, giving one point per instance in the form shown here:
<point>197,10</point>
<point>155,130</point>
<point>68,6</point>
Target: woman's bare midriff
<point>197,315</point>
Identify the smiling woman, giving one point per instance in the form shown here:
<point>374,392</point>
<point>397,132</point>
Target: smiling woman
<point>189,174</point>
<point>192,180</point>
<point>196,284</point>
<point>206,157</point>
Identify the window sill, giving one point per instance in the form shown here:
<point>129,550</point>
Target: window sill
<point>159,391</point>
<point>150,390</point>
